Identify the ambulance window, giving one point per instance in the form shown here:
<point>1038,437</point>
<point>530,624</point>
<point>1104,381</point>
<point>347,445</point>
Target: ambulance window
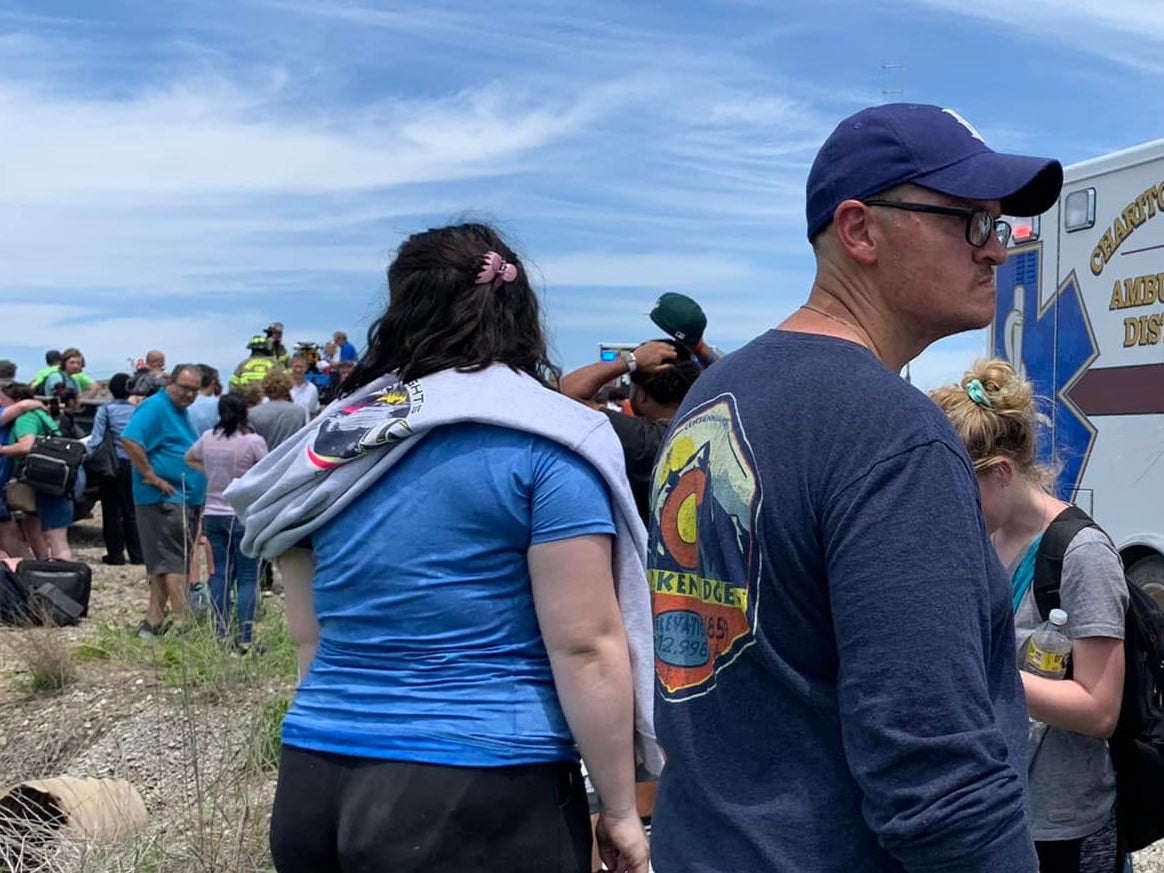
<point>1079,210</point>
<point>1023,230</point>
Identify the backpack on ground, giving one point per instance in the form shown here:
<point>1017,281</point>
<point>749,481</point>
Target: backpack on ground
<point>53,592</point>
<point>13,600</point>
<point>1137,746</point>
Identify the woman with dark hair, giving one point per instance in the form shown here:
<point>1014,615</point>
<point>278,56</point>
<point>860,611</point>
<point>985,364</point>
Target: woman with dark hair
<point>47,531</point>
<point>459,632</point>
<point>118,522</point>
<point>226,452</point>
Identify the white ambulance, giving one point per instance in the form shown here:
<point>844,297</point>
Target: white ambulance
<point>1081,312</point>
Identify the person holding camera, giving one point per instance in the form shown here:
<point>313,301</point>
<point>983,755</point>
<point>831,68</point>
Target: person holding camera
<point>47,529</point>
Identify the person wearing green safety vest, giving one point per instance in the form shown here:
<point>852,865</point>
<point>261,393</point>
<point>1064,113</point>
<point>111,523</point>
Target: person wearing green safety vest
<point>258,365</point>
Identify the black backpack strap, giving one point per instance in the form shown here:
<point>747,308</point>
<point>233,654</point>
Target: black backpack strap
<point>1049,559</point>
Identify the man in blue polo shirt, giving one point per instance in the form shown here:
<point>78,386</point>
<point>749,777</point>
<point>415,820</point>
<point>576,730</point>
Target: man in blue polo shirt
<point>167,493</point>
<point>834,645</point>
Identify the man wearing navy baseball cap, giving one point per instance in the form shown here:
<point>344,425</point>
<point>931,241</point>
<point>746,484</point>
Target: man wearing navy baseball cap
<point>837,687</point>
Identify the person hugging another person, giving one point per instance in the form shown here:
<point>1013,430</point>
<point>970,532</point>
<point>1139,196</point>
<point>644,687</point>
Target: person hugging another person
<point>12,541</point>
<point>1072,782</point>
<point>458,617</point>
<point>224,453</point>
<point>46,530</point>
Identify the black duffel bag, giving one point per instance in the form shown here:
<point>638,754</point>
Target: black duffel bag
<point>51,467</point>
<point>53,592</point>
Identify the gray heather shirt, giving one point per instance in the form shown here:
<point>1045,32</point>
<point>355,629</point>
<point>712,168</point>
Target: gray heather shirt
<point>1072,784</point>
<point>277,420</point>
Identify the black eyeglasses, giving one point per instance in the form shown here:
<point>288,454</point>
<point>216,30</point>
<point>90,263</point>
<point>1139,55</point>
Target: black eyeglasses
<point>980,224</point>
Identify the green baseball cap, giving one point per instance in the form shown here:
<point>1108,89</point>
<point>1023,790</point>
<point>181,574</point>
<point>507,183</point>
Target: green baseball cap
<point>681,317</point>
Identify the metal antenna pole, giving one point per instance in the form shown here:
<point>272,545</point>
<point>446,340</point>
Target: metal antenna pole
<point>899,91</point>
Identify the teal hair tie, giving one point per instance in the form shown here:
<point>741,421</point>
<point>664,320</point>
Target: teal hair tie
<point>977,392</point>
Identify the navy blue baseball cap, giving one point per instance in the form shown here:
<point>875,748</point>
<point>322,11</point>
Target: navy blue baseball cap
<point>884,146</point>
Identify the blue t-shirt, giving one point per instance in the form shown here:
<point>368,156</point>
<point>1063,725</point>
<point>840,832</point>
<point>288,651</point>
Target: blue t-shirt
<point>834,647</point>
<point>6,463</point>
<point>203,413</point>
<point>164,431</point>
<point>429,645</point>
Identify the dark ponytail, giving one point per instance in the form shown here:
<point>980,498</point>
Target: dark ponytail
<point>232,415</point>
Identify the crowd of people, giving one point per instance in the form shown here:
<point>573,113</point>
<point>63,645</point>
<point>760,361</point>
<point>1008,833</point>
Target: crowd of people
<point>176,438</point>
<point>785,580</point>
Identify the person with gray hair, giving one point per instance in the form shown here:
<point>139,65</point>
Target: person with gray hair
<point>167,493</point>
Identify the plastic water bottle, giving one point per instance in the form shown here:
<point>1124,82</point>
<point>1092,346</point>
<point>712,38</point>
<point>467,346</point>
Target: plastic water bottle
<point>1049,649</point>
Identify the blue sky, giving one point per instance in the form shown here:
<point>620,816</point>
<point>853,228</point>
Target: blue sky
<point>177,174</point>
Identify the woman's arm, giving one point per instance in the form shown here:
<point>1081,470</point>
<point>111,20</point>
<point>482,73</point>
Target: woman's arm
<point>10,413</point>
<point>297,567</point>
<point>20,448</point>
<point>1092,591</point>
<point>1088,703</point>
<point>581,626</point>
<point>97,434</point>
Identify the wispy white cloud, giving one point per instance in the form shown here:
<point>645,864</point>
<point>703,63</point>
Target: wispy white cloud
<point>631,148</point>
<point>216,135</point>
<point>110,344</point>
<point>597,269</point>
<point>1125,32</point>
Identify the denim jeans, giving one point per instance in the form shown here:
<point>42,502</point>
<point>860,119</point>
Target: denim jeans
<point>235,576</point>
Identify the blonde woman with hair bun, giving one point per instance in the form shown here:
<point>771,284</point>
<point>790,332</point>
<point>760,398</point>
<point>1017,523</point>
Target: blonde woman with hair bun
<point>1072,784</point>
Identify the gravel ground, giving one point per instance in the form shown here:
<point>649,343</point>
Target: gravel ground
<point>181,753</point>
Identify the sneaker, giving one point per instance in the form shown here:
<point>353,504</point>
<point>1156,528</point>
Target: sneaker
<point>113,560</point>
<point>198,599</point>
<point>147,631</point>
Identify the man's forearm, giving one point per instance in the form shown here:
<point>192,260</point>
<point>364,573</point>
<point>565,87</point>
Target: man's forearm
<point>707,355</point>
<point>584,383</point>
<point>138,457</point>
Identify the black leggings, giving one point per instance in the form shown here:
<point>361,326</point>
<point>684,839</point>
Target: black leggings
<point>1100,852</point>
<point>338,814</point>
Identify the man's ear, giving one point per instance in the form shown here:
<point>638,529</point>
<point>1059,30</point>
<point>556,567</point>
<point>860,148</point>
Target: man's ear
<point>855,232</point>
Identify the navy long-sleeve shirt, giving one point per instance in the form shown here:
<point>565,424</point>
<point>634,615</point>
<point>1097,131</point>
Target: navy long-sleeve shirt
<point>837,688</point>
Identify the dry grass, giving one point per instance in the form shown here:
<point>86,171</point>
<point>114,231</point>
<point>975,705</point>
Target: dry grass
<point>43,657</point>
<point>194,726</point>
